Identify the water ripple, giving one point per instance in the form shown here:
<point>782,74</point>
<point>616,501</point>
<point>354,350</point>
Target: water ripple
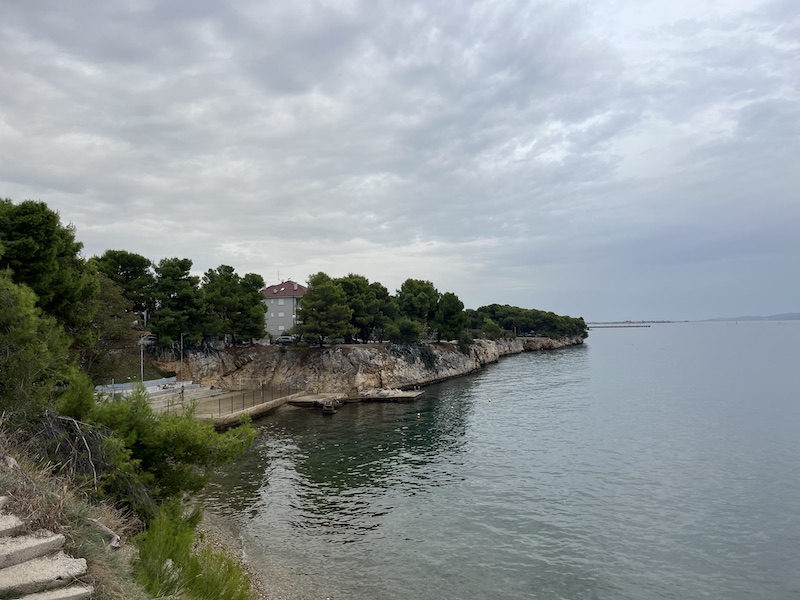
<point>619,470</point>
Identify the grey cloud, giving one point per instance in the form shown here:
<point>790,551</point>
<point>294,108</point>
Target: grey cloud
<point>509,142</point>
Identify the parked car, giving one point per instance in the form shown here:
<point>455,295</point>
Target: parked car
<point>284,340</point>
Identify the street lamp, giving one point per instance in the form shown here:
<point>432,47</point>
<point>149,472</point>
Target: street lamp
<point>141,346</point>
<point>182,368</point>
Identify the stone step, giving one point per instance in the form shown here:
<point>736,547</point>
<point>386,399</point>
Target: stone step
<point>15,550</point>
<point>73,592</point>
<point>40,574</point>
<point>10,524</point>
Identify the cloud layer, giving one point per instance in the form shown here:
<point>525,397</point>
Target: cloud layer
<point>600,159</point>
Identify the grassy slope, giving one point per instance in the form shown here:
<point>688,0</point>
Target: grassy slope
<point>45,501</point>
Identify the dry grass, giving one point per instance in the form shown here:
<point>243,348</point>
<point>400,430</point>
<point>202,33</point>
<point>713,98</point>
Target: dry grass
<point>45,501</point>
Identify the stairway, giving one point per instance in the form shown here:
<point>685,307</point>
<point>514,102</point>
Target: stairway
<point>33,566</point>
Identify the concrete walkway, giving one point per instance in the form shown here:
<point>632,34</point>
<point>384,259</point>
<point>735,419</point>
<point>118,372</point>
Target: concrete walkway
<point>33,566</point>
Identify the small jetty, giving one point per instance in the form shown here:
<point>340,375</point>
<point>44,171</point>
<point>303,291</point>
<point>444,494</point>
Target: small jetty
<point>390,395</point>
<point>309,400</point>
<point>227,408</point>
<point>331,403</point>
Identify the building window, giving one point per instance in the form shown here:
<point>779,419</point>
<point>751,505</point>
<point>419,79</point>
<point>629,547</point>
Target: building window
<point>280,327</point>
<point>272,315</point>
<point>272,300</point>
<point>280,315</point>
<point>280,301</point>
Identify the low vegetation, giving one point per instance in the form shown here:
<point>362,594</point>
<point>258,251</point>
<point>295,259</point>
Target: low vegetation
<point>171,565</point>
<point>168,561</point>
<point>45,499</point>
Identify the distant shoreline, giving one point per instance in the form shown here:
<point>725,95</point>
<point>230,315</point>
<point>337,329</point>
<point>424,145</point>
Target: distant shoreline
<point>746,318</point>
<point>756,319</point>
<point>631,323</point>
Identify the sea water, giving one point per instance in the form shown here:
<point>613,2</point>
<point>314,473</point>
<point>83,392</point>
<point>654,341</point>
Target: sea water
<point>659,462</point>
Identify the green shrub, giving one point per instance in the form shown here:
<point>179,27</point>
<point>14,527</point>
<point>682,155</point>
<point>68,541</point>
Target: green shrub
<point>427,356</point>
<point>173,453</point>
<point>465,343</point>
<point>404,330</point>
<point>491,329</point>
<point>413,352</point>
<point>77,398</point>
<point>126,453</point>
<point>169,565</point>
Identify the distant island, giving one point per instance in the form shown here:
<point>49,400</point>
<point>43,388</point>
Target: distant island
<point>780,317</point>
<point>630,322</point>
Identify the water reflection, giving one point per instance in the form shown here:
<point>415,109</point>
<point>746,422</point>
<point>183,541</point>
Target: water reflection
<point>329,472</point>
<point>452,486</point>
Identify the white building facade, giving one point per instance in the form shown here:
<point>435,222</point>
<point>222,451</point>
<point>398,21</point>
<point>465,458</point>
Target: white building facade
<point>283,303</point>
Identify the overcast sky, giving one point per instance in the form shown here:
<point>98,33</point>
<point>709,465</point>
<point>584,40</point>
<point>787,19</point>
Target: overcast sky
<point>609,159</point>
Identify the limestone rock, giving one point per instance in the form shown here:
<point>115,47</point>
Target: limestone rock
<point>353,369</point>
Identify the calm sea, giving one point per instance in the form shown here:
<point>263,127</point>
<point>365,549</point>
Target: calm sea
<point>659,462</point>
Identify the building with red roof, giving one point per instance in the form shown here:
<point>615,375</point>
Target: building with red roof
<point>283,303</point>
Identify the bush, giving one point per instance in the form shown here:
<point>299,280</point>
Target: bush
<point>50,502</point>
<point>169,565</point>
<point>465,343</point>
<point>413,352</point>
<point>77,398</point>
<point>173,453</point>
<point>427,356</point>
<point>404,331</point>
<point>125,452</point>
<point>34,360</point>
<point>491,329</point>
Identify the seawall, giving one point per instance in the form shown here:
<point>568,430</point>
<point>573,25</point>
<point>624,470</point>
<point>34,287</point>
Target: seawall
<point>352,369</point>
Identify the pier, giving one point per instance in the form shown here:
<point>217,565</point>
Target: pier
<point>614,326</point>
<point>226,408</point>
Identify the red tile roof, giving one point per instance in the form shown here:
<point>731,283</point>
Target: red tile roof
<point>286,289</point>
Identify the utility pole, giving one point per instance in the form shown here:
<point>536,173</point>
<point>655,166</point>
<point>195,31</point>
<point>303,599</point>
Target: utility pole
<point>141,347</point>
<point>182,368</point>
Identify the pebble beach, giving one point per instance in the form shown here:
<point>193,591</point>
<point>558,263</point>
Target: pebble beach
<point>271,580</point>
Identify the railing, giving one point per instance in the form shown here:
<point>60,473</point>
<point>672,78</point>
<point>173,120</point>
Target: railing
<point>205,404</point>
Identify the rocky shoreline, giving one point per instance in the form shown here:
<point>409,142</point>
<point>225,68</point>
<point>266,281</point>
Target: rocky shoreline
<point>352,369</point>
<point>270,577</point>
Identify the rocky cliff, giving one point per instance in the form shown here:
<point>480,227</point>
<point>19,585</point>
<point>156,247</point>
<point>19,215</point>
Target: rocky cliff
<point>353,369</point>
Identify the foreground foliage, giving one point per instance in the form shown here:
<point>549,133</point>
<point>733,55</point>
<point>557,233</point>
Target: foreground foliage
<point>34,352</point>
<point>46,501</point>
<point>59,314</point>
<point>170,564</point>
<point>43,254</point>
<point>127,453</point>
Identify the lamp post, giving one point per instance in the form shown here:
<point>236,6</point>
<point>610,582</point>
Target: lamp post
<point>141,347</point>
<point>182,368</point>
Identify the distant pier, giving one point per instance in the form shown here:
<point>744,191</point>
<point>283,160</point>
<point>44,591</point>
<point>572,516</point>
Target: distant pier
<point>614,326</point>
